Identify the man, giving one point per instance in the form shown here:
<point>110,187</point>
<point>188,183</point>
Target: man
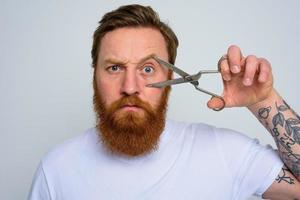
<point>135,153</point>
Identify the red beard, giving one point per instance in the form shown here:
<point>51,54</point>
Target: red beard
<point>126,132</point>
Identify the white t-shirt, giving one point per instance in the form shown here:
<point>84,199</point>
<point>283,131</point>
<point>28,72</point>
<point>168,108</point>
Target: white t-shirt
<point>193,161</point>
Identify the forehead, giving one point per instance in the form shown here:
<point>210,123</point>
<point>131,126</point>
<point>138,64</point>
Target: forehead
<point>132,44</point>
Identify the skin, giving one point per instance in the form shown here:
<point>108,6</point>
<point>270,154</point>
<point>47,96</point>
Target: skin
<point>248,82</point>
<point>125,66</point>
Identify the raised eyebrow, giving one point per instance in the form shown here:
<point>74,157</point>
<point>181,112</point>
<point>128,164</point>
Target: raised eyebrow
<point>120,62</point>
<point>114,61</point>
<point>151,56</point>
<point>147,58</point>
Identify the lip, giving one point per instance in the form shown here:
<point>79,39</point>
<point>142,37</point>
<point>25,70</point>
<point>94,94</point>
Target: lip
<point>130,108</point>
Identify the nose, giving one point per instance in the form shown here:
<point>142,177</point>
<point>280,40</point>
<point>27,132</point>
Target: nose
<point>130,84</point>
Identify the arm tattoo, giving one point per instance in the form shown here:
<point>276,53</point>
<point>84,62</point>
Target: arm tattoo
<point>286,132</point>
<point>264,112</point>
<point>284,177</point>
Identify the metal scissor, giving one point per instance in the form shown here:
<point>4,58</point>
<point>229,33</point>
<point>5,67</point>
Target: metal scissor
<point>186,78</point>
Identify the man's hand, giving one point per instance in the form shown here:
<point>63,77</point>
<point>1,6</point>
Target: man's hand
<point>247,80</point>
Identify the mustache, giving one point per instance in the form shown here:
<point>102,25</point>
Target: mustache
<point>132,100</point>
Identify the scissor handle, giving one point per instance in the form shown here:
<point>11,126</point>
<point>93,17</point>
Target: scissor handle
<point>213,95</point>
<point>223,101</point>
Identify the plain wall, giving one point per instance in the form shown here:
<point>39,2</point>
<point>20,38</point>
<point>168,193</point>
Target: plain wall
<point>46,75</point>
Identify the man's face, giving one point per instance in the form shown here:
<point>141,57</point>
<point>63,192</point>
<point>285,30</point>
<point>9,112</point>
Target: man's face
<point>122,70</point>
<point>131,114</point>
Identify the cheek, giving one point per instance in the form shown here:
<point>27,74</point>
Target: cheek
<point>153,96</point>
<point>107,90</point>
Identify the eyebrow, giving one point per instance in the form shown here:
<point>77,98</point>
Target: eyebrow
<point>114,60</point>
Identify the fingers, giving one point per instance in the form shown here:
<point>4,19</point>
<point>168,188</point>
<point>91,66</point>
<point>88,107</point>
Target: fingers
<point>224,68</point>
<point>250,68</point>
<point>265,70</point>
<point>256,70</point>
<point>234,58</point>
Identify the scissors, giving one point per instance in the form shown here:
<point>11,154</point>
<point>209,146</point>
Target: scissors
<point>186,78</point>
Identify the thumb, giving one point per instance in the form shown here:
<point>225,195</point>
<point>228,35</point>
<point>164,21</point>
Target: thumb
<point>216,103</point>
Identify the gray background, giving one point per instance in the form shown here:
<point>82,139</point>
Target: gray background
<point>45,73</point>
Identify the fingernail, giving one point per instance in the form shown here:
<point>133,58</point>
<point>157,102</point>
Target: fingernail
<point>235,69</point>
<point>247,81</point>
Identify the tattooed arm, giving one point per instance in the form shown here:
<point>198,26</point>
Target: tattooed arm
<point>283,123</point>
<point>248,82</point>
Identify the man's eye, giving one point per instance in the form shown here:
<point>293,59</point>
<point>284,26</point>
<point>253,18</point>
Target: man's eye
<point>114,68</point>
<point>148,69</point>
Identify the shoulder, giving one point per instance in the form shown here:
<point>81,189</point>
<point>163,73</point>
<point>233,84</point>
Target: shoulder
<point>226,141</point>
<point>202,130</point>
<point>70,149</point>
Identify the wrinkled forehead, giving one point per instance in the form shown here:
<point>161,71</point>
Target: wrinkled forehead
<point>133,44</point>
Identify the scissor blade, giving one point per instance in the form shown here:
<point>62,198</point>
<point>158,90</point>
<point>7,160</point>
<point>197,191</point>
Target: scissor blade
<point>172,67</point>
<point>167,83</point>
<point>173,82</point>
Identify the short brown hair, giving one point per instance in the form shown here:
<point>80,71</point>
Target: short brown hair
<point>133,16</point>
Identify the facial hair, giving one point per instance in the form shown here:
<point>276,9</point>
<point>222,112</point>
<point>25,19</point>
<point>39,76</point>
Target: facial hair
<point>127,132</point>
